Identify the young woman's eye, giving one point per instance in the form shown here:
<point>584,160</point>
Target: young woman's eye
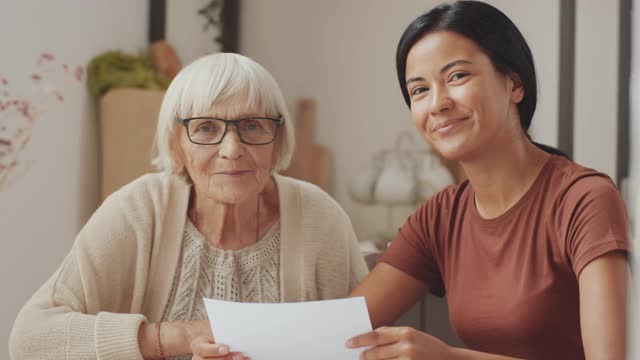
<point>418,90</point>
<point>457,76</point>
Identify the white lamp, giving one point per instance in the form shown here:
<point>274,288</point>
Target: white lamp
<point>406,175</point>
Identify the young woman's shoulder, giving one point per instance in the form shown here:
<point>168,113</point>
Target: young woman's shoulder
<point>570,179</point>
<point>448,199</point>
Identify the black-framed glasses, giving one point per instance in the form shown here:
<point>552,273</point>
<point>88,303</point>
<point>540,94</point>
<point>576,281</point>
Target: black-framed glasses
<point>251,131</point>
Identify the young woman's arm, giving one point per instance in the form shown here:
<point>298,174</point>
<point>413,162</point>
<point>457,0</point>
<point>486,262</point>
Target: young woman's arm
<point>389,293</point>
<point>603,295</point>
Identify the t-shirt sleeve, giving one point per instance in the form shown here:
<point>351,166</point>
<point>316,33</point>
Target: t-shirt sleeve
<point>594,221</point>
<point>412,250</point>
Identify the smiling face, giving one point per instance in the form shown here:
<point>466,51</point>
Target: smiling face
<point>459,102</point>
<point>229,172</point>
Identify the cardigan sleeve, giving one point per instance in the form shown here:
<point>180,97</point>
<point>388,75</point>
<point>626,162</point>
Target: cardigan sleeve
<point>340,265</point>
<point>81,312</point>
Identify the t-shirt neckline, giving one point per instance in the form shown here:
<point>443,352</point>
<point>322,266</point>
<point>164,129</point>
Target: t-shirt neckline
<point>533,189</point>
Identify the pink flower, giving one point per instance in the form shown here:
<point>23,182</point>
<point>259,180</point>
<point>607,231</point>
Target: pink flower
<point>4,81</point>
<point>59,96</point>
<point>79,72</point>
<point>45,57</point>
<point>25,108</point>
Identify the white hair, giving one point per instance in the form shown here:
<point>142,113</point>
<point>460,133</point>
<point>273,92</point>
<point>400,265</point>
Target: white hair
<point>211,80</point>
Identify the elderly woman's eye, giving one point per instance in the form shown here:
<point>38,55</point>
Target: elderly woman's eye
<point>206,127</point>
<point>253,125</point>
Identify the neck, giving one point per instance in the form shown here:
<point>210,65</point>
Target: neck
<point>502,175</point>
<point>235,226</point>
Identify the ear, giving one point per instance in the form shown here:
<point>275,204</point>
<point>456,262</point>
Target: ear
<point>516,87</point>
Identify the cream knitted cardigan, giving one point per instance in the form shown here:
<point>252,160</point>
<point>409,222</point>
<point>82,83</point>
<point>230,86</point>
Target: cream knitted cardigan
<point>121,267</point>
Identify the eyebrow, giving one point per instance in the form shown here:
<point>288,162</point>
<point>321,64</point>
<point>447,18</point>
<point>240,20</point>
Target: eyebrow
<point>444,69</point>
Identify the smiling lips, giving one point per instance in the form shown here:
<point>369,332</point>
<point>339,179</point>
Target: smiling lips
<point>445,126</point>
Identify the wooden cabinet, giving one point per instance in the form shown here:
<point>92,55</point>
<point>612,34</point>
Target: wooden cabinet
<point>128,119</point>
<point>311,162</point>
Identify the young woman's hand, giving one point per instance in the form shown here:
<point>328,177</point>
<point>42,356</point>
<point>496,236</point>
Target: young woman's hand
<point>400,343</point>
<point>203,347</point>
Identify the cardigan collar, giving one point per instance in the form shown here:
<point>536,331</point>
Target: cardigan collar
<point>165,250</point>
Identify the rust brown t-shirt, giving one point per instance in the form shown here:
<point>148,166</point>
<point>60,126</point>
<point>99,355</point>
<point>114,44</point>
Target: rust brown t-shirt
<point>512,282</point>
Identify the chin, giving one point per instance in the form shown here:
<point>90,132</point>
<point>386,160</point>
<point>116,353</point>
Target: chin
<point>230,193</point>
<point>452,150</point>
<point>453,154</point>
<point>231,196</point>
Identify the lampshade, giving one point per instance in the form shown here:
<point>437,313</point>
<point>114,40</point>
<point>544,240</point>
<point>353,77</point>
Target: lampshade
<point>405,175</point>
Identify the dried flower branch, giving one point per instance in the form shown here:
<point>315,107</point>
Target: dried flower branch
<point>18,114</point>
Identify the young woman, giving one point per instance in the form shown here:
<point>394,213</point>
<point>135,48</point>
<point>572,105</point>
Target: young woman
<point>531,250</point>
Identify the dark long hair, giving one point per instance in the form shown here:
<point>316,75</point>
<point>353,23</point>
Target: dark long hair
<point>494,33</point>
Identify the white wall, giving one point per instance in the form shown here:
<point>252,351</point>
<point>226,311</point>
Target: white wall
<point>43,210</point>
<point>184,30</point>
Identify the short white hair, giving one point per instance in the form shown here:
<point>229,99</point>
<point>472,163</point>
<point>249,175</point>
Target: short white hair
<point>211,80</point>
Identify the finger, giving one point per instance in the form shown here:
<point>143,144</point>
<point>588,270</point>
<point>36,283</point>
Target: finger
<point>204,346</point>
<point>211,350</point>
<point>380,336</point>
<point>390,351</point>
<point>229,356</point>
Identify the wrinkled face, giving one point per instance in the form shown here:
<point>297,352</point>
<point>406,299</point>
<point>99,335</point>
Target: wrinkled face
<point>231,171</point>
<point>459,102</point>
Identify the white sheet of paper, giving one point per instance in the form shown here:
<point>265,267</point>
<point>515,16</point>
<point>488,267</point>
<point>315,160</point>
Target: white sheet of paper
<point>290,331</point>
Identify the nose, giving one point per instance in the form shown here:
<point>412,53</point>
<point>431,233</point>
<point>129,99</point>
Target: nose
<point>440,100</point>
<point>231,146</point>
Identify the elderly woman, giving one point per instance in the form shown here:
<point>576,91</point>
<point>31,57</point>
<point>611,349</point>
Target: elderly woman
<point>217,222</point>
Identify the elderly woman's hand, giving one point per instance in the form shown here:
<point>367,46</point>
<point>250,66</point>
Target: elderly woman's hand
<point>203,347</point>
